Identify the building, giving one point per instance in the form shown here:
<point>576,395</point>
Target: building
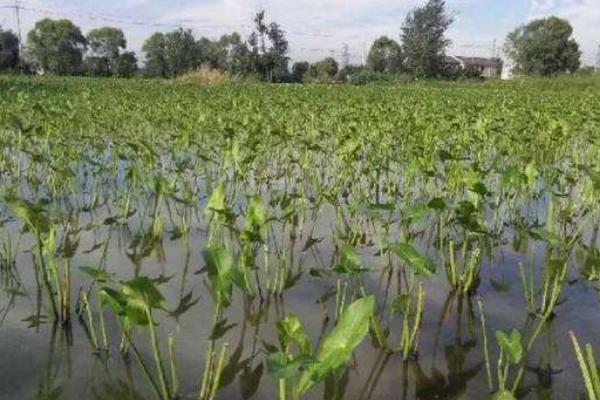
<point>489,68</point>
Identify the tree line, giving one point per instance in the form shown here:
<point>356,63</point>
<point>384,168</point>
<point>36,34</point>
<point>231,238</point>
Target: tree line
<point>541,47</point>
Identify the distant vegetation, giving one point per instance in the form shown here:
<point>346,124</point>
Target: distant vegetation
<point>542,47</point>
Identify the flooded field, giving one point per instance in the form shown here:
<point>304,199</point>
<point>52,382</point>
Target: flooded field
<point>168,241</point>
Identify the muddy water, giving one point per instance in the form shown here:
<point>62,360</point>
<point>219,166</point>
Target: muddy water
<point>40,360</point>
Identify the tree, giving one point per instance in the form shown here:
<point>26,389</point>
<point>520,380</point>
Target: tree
<point>126,65</point>
<point>423,39</point>
<point>96,66</point>
<point>105,44</point>
<point>543,47</point>
<point>171,54</point>
<point>299,69</point>
<point>239,56</point>
<point>385,56</point>
<point>156,58</point>
<point>233,54</point>
<point>180,52</point>
<point>324,70</point>
<point>269,49</point>
<point>9,50</point>
<point>57,46</point>
<point>210,53</point>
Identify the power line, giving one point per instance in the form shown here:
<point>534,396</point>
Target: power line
<point>17,7</point>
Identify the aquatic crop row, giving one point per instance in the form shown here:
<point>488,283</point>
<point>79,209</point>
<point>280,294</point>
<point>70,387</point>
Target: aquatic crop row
<point>130,207</point>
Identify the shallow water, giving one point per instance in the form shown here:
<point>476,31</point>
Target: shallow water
<point>332,152</point>
<point>50,362</point>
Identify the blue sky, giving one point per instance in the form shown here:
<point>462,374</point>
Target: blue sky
<point>317,28</point>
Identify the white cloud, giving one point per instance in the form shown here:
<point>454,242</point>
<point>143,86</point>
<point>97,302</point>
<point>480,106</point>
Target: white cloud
<point>316,27</point>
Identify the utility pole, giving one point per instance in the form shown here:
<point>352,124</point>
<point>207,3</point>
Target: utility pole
<point>494,49</point>
<point>17,7</point>
<point>345,55</point>
<point>363,55</point>
<point>597,65</point>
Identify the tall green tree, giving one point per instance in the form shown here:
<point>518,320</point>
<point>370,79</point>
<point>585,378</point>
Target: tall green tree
<point>269,48</point>
<point>127,64</point>
<point>233,54</point>
<point>105,44</point>
<point>424,39</point>
<point>57,46</point>
<point>543,47</point>
<point>385,56</point>
<point>299,70</point>
<point>156,56</point>
<point>171,54</point>
<point>181,52</point>
<point>324,70</point>
<point>9,50</point>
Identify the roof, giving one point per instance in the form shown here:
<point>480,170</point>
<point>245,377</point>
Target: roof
<point>485,62</point>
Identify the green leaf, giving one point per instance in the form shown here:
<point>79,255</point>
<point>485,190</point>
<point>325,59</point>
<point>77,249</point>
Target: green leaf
<point>503,395</point>
<point>280,366</point>
<point>401,303</point>
<point>531,173</point>
<point>216,201</point>
<point>33,214</point>
<point>437,204</point>
<point>480,189</point>
<point>144,290</point>
<point>511,345</point>
<point>337,348</point>
<point>418,212</point>
<point>349,262</point>
<point>291,331</point>
<point>256,215</point>
<point>115,300</point>
<point>219,264</point>
<point>421,265</point>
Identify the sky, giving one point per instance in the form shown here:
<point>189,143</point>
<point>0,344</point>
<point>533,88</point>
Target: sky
<point>316,28</point>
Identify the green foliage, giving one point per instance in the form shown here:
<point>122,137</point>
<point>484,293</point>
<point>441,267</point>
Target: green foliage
<point>503,395</point>
<point>349,262</point>
<point>9,50</point>
<point>423,39</point>
<point>126,65</point>
<point>299,70</point>
<point>337,347</point>
<point>106,44</point>
<point>385,56</point>
<point>219,264</point>
<point>543,47</point>
<point>292,332</point>
<point>171,54</point>
<point>418,263</point>
<point>269,49</point>
<point>511,345</point>
<point>135,301</point>
<point>343,173</point>
<point>588,367</point>
<point>57,46</point>
<point>322,71</point>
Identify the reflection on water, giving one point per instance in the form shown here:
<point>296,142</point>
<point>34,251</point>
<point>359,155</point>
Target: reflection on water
<point>45,360</point>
